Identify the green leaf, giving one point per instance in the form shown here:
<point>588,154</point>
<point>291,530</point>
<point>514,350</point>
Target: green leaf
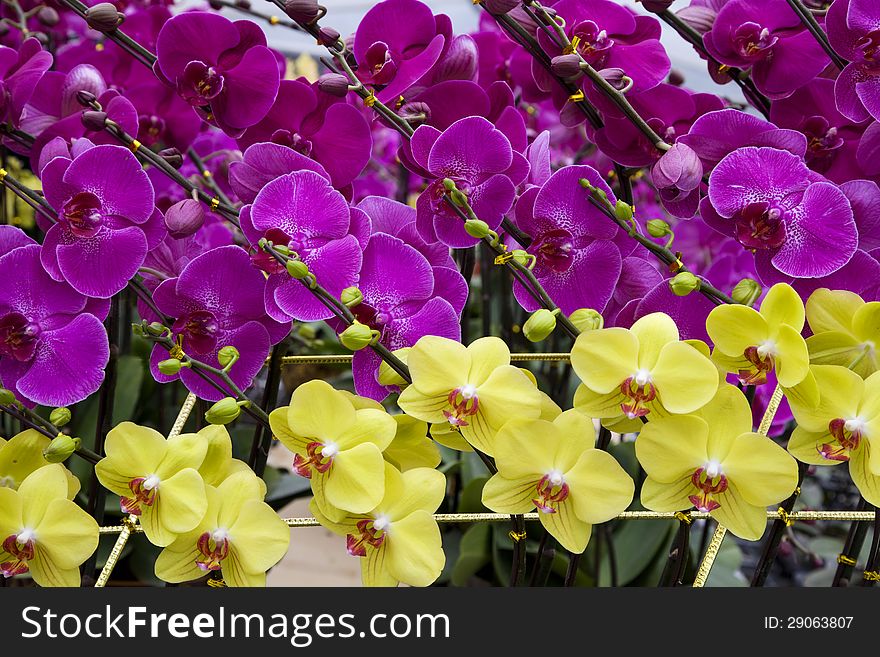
<point>474,553</point>
<point>471,500</point>
<point>638,546</point>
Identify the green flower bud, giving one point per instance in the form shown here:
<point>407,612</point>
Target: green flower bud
<point>297,269</point>
<point>156,328</point>
<point>60,449</point>
<point>170,367</point>
<point>459,198</point>
<point>658,228</point>
<point>746,291</point>
<point>60,416</point>
<point>351,296</point>
<point>227,356</point>
<point>521,257</point>
<point>6,397</point>
<point>356,337</point>
<point>684,283</point>
<point>586,184</point>
<point>224,411</point>
<point>476,228</point>
<point>539,325</point>
<point>586,319</point>
<point>599,194</point>
<point>623,211</point>
<point>448,184</point>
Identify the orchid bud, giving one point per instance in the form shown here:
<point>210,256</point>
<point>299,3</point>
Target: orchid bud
<point>243,4</point>
<point>684,283</point>
<point>48,16</point>
<point>476,228</point>
<point>104,17</point>
<point>156,328</point>
<point>566,66</point>
<point>521,257</point>
<point>351,296</point>
<point>172,156</point>
<point>657,5</point>
<point>60,416</point>
<point>86,98</point>
<point>586,319</point>
<point>676,77</point>
<point>227,356</point>
<point>679,167</point>
<point>6,397</point>
<point>327,36</point>
<point>297,269</point>
<point>224,411</point>
<point>356,337</point>
<point>623,211</point>
<point>617,78</point>
<point>170,367</point>
<point>388,376</point>
<point>499,7</point>
<point>60,448</point>
<point>302,11</point>
<point>415,113</point>
<point>698,17</point>
<point>94,121</point>
<point>449,184</point>
<point>333,84</point>
<point>184,218</point>
<point>539,325</point>
<point>746,291</point>
<point>658,228</point>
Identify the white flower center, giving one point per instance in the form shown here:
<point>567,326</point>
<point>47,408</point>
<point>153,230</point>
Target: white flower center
<point>767,348</point>
<point>468,391</point>
<point>219,535</point>
<point>151,482</point>
<point>7,482</point>
<point>854,425</point>
<point>713,469</point>
<point>382,522</point>
<point>25,536</point>
<point>556,478</point>
<point>330,450</point>
<point>642,377</point>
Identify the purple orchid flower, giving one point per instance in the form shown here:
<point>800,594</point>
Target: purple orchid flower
<point>302,211</point>
<point>669,110</point>
<point>610,36</point>
<point>217,301</point>
<point>570,237</point>
<point>317,125</point>
<point>52,350</point>
<point>854,33</point>
<point>20,71</point>
<point>799,224</point>
<point>106,219</point>
<point>264,162</point>
<point>401,302</point>
<point>677,175</point>
<point>214,61</point>
<point>832,139</point>
<point>768,37</point>
<point>479,159</point>
<point>54,110</point>
<point>397,43</point>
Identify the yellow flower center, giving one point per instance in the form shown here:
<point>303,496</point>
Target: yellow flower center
<point>144,490</point>
<point>847,436</point>
<point>709,482</point>
<point>371,532</point>
<point>320,458</point>
<point>21,548</point>
<point>639,390</point>
<point>465,402</point>
<point>213,548</point>
<point>552,490</point>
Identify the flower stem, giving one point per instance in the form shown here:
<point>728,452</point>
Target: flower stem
<point>679,552</point>
<point>813,27</point>
<point>36,201</point>
<point>272,20</point>
<point>855,538</point>
<point>121,39</point>
<point>870,576</point>
<point>207,176</point>
<point>574,560</point>
<point>262,438</point>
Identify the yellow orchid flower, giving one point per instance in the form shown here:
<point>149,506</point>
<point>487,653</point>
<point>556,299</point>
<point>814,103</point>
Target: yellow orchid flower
<point>474,389</point>
<point>156,479</point>
<point>239,535</point>
<point>750,343</point>
<point>399,540</point>
<point>553,466</point>
<point>43,532</point>
<point>846,331</point>
<point>411,447</point>
<point>23,454</point>
<point>843,428</point>
<point>631,373</point>
<point>339,448</point>
<point>218,463</point>
<point>712,460</point>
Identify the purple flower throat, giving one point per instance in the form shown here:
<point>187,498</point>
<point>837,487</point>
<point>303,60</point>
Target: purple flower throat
<point>18,336</point>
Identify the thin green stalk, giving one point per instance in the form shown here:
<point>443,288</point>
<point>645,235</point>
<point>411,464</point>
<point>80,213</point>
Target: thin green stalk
<point>813,27</point>
<point>262,438</point>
